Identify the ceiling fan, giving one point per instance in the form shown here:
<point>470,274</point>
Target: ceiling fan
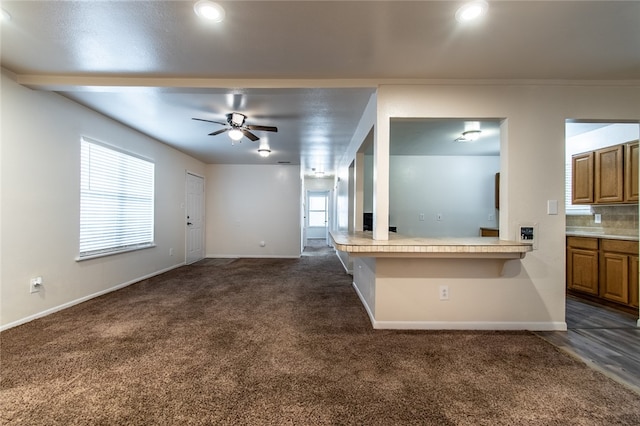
<point>237,128</point>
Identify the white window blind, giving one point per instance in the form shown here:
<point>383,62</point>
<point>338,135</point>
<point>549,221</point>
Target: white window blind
<point>116,201</point>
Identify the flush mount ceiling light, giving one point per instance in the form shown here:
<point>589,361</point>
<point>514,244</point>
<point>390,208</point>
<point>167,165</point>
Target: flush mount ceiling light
<point>209,10</point>
<point>264,152</point>
<point>471,135</point>
<point>471,132</point>
<point>472,11</point>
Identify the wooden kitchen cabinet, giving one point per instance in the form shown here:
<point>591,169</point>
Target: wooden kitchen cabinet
<point>608,168</point>
<point>582,178</point>
<point>606,176</point>
<point>617,270</point>
<point>633,281</point>
<point>604,271</point>
<point>582,265</point>
<point>614,277</point>
<point>631,172</point>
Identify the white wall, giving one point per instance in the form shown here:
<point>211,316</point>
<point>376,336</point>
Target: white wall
<point>460,189</point>
<point>40,200</point>
<point>602,137</point>
<point>532,156</point>
<point>250,204</point>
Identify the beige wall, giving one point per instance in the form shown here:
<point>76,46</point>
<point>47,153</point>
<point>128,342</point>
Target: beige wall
<point>532,172</point>
<point>40,196</point>
<point>250,204</point>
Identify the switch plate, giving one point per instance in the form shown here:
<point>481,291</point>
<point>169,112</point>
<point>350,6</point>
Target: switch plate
<point>439,217</point>
<point>35,285</point>
<point>421,217</point>
<point>552,207</point>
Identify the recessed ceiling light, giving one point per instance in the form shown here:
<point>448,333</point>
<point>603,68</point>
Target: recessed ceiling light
<point>472,11</point>
<point>6,16</point>
<point>209,10</point>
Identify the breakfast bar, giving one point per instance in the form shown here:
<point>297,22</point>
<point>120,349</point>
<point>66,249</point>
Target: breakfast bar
<point>441,283</point>
<point>361,244</point>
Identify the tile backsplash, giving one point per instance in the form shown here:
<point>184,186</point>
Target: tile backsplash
<point>616,220</point>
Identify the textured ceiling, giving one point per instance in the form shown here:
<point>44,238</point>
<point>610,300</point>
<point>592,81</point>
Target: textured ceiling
<point>307,67</point>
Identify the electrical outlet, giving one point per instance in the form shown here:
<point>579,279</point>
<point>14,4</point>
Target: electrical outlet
<point>491,217</point>
<point>35,285</point>
<point>597,218</point>
<point>171,251</point>
<point>444,292</point>
<point>421,217</point>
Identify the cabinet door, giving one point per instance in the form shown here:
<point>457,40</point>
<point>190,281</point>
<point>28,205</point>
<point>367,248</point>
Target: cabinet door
<point>614,277</point>
<point>582,178</point>
<point>582,270</point>
<point>631,172</point>
<point>633,281</point>
<point>608,185</point>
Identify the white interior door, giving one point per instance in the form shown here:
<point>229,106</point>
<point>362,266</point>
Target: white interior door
<point>195,216</point>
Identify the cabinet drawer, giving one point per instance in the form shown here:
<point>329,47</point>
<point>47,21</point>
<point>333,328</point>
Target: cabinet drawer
<point>583,242</point>
<point>620,246</point>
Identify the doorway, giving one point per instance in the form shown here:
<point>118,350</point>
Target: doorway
<point>194,222</point>
<point>317,216</point>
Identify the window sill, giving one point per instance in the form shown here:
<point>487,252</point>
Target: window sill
<point>111,253</point>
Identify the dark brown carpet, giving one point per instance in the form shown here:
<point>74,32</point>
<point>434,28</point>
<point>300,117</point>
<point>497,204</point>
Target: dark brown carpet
<point>282,341</point>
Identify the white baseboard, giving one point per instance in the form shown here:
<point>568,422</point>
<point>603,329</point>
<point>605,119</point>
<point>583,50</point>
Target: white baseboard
<point>84,299</point>
<point>469,325</point>
<point>250,256</point>
<point>346,268</point>
<point>458,325</point>
<point>364,303</point>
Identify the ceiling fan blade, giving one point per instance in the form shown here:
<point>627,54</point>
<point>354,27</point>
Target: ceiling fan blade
<point>263,128</point>
<point>249,135</point>
<point>217,132</point>
<point>210,121</point>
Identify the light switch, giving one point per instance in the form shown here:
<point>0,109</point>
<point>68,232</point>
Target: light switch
<point>552,206</point>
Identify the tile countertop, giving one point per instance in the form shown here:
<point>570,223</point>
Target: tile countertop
<point>602,234</point>
<point>363,244</point>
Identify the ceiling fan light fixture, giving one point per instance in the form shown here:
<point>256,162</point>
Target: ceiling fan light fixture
<point>209,10</point>
<point>235,134</point>
<point>472,11</point>
<point>264,152</point>
<point>237,119</point>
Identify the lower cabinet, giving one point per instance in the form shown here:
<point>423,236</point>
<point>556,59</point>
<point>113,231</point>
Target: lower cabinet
<point>603,270</point>
<point>582,264</point>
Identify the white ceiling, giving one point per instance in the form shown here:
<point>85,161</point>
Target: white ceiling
<point>307,67</point>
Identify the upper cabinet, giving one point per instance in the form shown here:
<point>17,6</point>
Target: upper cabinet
<point>606,176</point>
<point>631,172</point>
<point>582,178</point>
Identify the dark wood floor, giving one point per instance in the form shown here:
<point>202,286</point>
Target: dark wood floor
<point>604,339</point>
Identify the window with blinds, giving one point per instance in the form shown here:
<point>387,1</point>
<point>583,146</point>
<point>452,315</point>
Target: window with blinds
<point>572,209</point>
<point>116,201</point>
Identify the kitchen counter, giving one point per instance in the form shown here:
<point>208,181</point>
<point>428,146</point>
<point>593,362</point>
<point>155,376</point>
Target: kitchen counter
<point>362,244</point>
<point>603,235</point>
